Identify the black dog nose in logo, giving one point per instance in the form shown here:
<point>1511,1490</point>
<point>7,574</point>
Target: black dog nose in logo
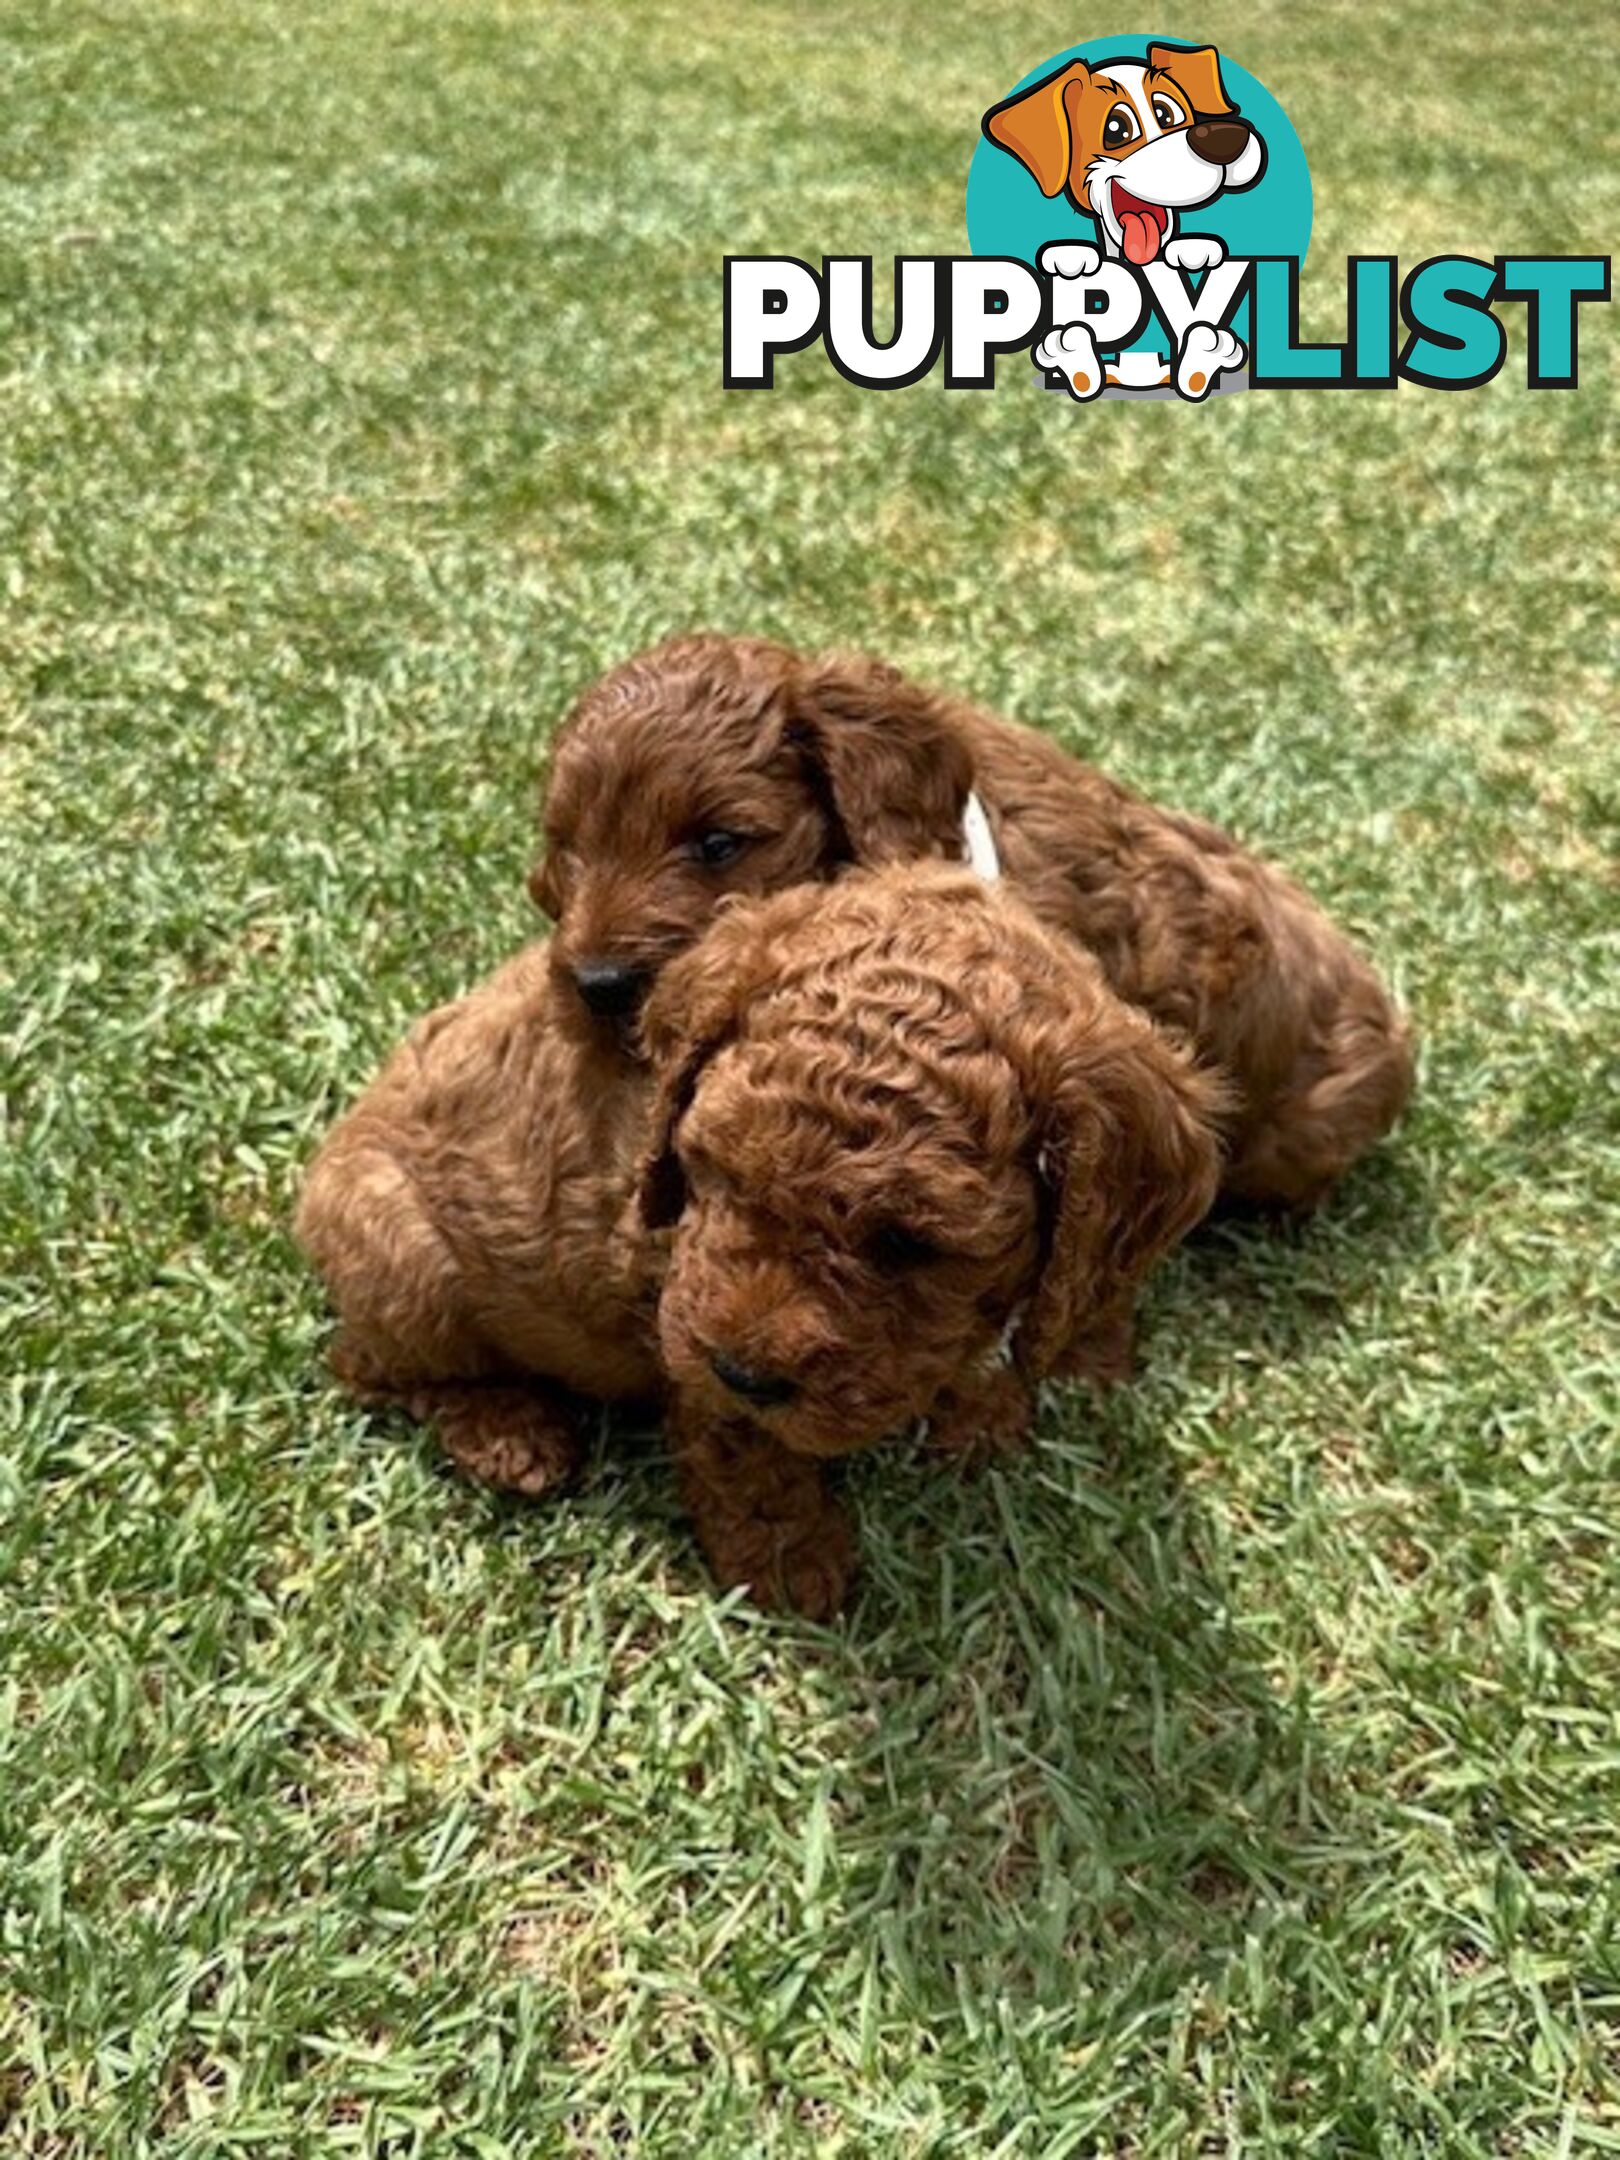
<point>1219,141</point>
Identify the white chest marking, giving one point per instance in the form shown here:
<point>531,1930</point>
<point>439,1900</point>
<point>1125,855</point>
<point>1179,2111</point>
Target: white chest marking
<point>978,843</point>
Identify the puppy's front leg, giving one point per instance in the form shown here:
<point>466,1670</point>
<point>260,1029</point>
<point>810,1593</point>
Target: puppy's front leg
<point>517,1436</point>
<point>764,1517</point>
<point>1105,1353</point>
<point>982,1420</point>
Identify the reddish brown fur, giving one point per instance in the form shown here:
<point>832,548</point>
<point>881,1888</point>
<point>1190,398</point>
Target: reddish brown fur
<point>839,760</point>
<point>835,1077</point>
<point>470,1217</point>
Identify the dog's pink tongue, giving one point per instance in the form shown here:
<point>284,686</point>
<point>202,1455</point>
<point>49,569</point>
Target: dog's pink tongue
<point>1141,235</point>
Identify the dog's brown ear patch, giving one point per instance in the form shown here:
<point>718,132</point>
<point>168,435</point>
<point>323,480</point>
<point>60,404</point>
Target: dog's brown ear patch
<point>1034,127</point>
<point>1130,1158</point>
<point>1198,72</point>
<point>884,752</point>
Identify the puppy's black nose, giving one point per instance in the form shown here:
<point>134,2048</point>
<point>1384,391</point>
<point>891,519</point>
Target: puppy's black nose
<point>609,987</point>
<point>755,1387</point>
<point>1220,141</point>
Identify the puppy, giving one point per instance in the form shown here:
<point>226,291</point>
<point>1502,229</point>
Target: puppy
<point>711,766</point>
<point>1134,146</point>
<point>898,1153</point>
<point>918,1157</point>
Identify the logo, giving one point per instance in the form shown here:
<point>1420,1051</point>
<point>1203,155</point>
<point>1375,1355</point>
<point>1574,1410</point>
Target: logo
<point>1138,215</point>
<point>1118,170</point>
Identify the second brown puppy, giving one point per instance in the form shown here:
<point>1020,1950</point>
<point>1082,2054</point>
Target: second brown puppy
<point>713,765</point>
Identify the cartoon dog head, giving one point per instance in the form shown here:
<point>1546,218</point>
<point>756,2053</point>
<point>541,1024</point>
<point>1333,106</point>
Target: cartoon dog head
<point>1131,143</point>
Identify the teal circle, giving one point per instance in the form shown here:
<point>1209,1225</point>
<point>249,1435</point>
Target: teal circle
<point>1008,215</point>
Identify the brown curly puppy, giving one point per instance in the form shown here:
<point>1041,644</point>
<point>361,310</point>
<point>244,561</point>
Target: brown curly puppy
<point>714,765</point>
<point>899,1153</point>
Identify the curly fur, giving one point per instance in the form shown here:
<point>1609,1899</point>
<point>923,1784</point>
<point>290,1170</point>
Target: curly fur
<point>881,1127</point>
<point>822,763</point>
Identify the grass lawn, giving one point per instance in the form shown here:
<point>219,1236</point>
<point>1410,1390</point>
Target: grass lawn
<point>1239,1772</point>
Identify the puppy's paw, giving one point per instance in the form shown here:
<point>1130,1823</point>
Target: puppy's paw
<point>1068,259</point>
<point>806,1568</point>
<point>984,1422</point>
<point>1105,1355</point>
<point>1205,353</point>
<point>1072,353</point>
<point>816,1577</point>
<point>1194,251</point>
<point>509,1439</point>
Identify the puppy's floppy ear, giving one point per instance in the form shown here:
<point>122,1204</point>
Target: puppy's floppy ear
<point>696,1007</point>
<point>891,765</point>
<point>1034,126</point>
<point>1198,72</point>
<point>1130,1158</point>
<point>662,1182</point>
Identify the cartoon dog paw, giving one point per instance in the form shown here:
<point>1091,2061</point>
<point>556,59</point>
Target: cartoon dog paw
<point>1072,353</point>
<point>1069,259</point>
<point>1205,353</point>
<point>1194,251</point>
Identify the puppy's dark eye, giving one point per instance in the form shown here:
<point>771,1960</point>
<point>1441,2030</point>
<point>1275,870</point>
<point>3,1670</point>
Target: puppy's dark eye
<point>894,1249</point>
<point>1119,128</point>
<point>717,848</point>
<point>1167,112</point>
